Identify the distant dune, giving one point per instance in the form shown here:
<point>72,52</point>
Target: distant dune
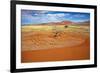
<point>63,23</point>
<point>54,23</point>
<point>86,23</point>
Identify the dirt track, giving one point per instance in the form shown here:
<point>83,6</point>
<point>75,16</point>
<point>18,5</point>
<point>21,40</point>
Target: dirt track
<point>38,46</point>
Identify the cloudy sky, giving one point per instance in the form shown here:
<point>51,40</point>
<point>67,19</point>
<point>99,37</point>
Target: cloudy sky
<point>38,17</point>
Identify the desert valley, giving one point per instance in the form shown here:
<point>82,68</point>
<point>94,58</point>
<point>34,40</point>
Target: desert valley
<point>55,41</point>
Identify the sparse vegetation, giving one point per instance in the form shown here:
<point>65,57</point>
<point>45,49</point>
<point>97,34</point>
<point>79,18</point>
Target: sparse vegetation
<point>66,26</point>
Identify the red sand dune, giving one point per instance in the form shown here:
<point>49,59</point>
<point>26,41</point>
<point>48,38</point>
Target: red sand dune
<point>62,23</point>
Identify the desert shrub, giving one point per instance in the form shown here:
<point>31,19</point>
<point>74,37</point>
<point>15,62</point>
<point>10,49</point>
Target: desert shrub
<point>66,26</point>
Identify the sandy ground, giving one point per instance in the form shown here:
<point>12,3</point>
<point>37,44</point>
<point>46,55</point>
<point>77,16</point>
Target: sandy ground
<point>41,46</point>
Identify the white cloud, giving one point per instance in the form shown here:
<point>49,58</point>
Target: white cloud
<point>56,15</point>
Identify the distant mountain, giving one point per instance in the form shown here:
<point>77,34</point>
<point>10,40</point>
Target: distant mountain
<point>64,23</point>
<point>85,23</point>
<point>61,23</point>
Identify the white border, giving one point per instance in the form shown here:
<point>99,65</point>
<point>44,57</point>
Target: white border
<point>20,65</point>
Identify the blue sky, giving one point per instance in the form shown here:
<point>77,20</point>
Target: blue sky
<point>42,16</point>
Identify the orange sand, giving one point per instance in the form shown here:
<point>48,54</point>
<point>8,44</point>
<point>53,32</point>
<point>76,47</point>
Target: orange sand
<point>35,50</point>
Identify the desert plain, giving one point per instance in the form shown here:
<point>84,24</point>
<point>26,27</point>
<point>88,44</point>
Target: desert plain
<point>43,43</point>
